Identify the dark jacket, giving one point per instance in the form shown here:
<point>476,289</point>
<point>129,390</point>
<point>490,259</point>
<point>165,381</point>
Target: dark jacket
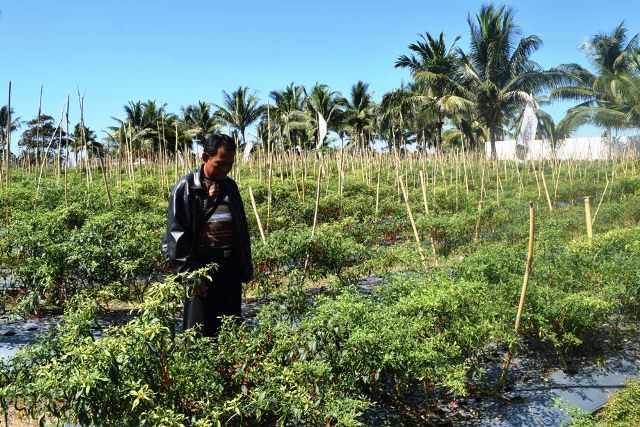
<point>185,219</point>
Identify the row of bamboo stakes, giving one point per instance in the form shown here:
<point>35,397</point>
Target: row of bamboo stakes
<point>400,180</point>
<point>297,167</point>
<point>365,156</point>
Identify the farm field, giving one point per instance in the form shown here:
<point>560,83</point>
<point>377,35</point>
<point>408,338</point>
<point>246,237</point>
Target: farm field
<point>456,243</point>
<point>445,237</point>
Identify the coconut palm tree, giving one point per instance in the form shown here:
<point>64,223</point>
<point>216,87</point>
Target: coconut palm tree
<point>606,98</point>
<point>435,70</point>
<point>85,135</point>
<point>617,106</point>
<point>198,120</point>
<point>468,133</point>
<point>554,132</point>
<point>321,99</point>
<point>396,110</point>
<point>148,127</point>
<point>611,52</point>
<point>498,70</point>
<point>359,114</point>
<point>239,110</point>
<point>287,117</point>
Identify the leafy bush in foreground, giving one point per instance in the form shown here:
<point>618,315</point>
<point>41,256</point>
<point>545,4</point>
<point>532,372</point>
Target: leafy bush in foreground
<point>322,366</point>
<point>143,373</point>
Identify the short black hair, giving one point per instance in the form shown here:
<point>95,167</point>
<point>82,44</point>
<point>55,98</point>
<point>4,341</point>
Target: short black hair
<point>212,142</point>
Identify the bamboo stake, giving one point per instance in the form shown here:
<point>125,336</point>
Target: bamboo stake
<point>105,180</point>
<point>294,175</point>
<point>424,192</point>
<point>163,162</point>
<point>521,187</point>
<point>315,210</point>
<point>483,192</point>
<point>87,161</point>
<point>457,162</point>
<point>434,177</point>
<point>498,182</point>
<point>523,293</point>
<point>315,217</point>
<point>378,190</point>
<point>476,235</point>
<point>66,155</point>
<point>587,214</point>
<point>175,153</point>
<point>101,161</point>
<point>269,187</point>
<point>126,153</point>
<point>538,185</point>
<point>504,163</point>
<point>38,134</point>
<point>304,172</point>
<point>556,177</point>
<point>7,151</point>
<point>130,155</point>
<point>341,169</point>
<point>59,152</point>
<point>413,223</point>
<point>546,190</point>
<point>444,176</point>
<point>600,203</point>
<point>118,169</point>
<point>255,211</point>
<point>464,164</point>
<point>47,150</point>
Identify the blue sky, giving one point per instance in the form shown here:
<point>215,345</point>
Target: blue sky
<point>181,52</point>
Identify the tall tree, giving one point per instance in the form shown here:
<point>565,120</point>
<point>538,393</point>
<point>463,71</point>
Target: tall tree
<point>468,133</point>
<point>607,98</point>
<point>148,126</point>
<point>435,70</point>
<point>321,99</point>
<point>199,120</point>
<point>4,125</point>
<point>239,110</point>
<point>396,110</point>
<point>409,115</point>
<point>611,52</point>
<point>554,132</point>
<point>359,114</point>
<point>86,135</point>
<point>498,69</point>
<point>40,134</point>
<point>287,117</point>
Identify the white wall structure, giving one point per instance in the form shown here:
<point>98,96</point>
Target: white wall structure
<point>584,148</point>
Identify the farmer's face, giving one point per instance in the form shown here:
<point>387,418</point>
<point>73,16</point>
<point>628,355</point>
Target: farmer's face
<point>218,166</point>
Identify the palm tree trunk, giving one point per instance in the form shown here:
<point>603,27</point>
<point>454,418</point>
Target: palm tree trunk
<point>438,140</point>
<point>494,152</point>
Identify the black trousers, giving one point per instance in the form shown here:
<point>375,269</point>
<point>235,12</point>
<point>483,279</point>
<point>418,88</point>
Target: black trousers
<point>224,297</point>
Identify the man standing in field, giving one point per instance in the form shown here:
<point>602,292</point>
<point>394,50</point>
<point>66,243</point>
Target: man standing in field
<point>206,223</point>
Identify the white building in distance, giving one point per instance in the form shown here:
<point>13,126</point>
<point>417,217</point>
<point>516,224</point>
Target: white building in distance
<point>584,148</point>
